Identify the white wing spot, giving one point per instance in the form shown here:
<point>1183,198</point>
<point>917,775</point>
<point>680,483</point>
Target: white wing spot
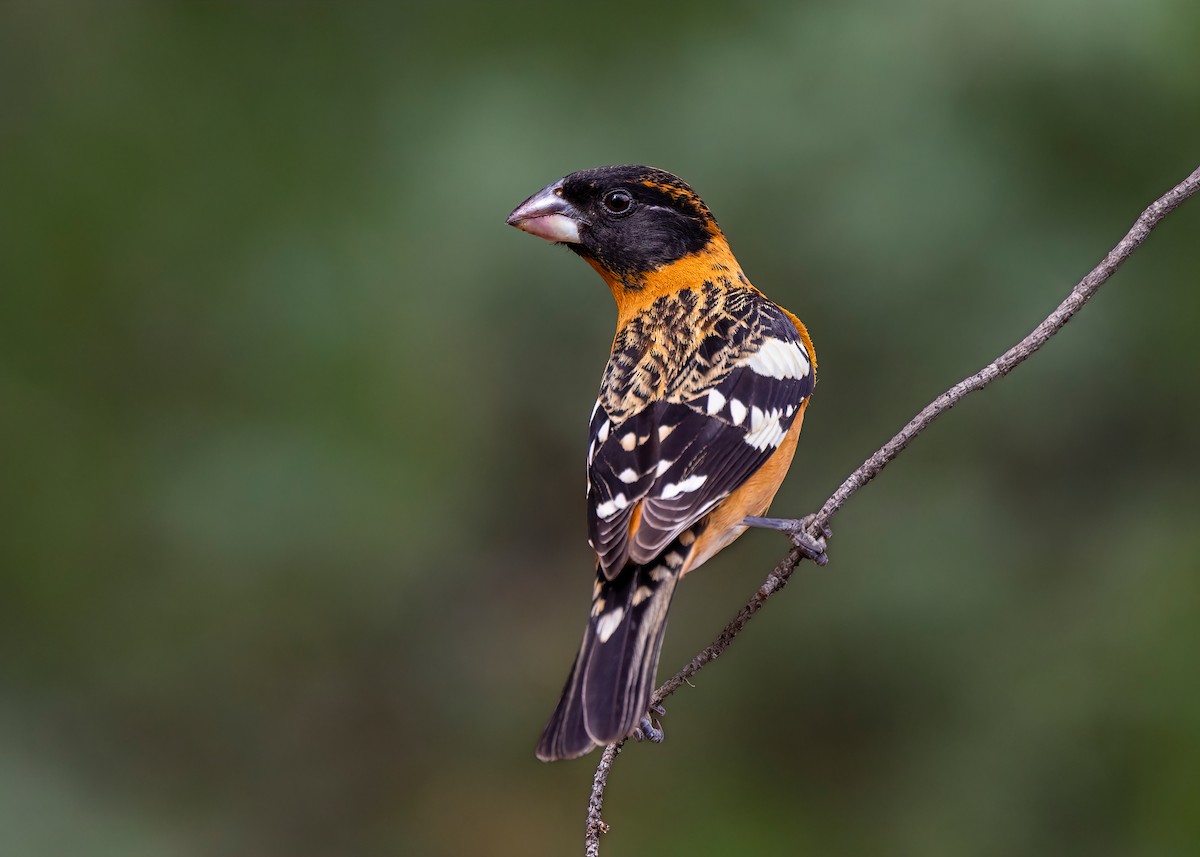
<point>663,467</point>
<point>687,537</point>
<point>737,410</point>
<point>674,559</point>
<point>628,476</point>
<point>606,510</point>
<point>608,623</point>
<point>642,593</point>
<point>663,431</point>
<point>673,489</point>
<point>779,359</point>
<point>716,401</point>
<point>629,441</point>
<point>602,432</point>
<point>660,573</point>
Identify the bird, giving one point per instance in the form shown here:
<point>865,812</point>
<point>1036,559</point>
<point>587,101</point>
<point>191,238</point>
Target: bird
<point>700,406</point>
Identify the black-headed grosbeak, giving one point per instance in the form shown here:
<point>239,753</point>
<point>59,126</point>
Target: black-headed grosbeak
<point>699,411</point>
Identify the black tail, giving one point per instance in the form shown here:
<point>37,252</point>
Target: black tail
<point>608,690</point>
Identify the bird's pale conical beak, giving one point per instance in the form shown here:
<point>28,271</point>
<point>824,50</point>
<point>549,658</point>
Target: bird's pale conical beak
<point>547,215</point>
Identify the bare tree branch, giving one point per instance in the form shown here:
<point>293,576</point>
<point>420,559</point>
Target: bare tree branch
<point>869,469</point>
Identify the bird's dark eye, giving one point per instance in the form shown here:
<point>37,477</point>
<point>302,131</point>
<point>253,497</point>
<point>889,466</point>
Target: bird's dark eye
<point>618,202</point>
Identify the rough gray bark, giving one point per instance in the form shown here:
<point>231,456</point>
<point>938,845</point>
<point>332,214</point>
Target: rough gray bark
<point>869,469</point>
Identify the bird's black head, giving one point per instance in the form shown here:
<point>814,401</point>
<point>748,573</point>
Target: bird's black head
<point>628,220</point>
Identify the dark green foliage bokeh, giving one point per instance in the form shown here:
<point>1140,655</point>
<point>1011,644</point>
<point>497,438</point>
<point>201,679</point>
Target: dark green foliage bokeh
<point>292,554</point>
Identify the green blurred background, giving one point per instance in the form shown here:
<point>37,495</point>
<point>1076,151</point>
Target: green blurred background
<point>293,556</point>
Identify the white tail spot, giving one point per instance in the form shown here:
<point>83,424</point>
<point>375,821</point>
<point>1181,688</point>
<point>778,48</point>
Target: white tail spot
<point>608,623</point>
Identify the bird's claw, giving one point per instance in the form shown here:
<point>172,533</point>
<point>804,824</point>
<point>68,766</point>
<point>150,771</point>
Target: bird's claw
<point>797,531</point>
<point>649,729</point>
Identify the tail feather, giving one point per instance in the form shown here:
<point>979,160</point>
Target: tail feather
<point>609,688</point>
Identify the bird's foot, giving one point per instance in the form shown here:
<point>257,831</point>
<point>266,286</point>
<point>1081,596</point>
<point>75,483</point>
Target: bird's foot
<point>650,729</point>
<point>797,531</point>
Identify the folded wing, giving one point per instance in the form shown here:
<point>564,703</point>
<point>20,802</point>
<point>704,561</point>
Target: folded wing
<point>667,465</point>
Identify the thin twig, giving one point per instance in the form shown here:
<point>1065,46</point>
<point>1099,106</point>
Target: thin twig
<point>595,825</point>
<point>869,469</point>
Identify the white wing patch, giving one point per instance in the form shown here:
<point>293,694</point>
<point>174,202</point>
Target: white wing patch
<point>779,359</point>
<point>673,489</point>
<point>765,428</point>
<point>716,401</point>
